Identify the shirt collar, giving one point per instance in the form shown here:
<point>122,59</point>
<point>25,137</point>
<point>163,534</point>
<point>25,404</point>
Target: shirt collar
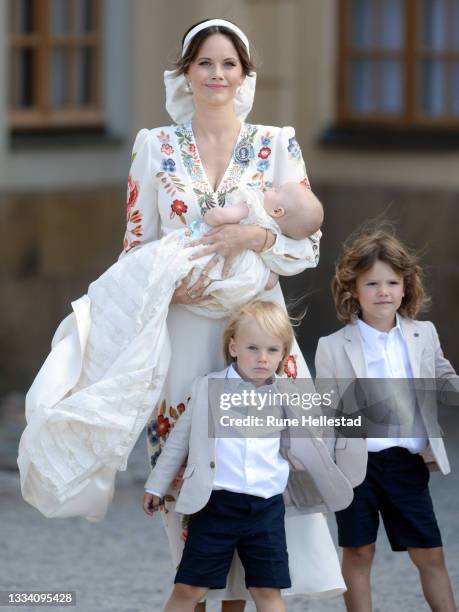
<point>233,373</point>
<point>371,335</point>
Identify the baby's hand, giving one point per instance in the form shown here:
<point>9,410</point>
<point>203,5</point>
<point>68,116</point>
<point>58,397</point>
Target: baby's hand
<point>151,503</point>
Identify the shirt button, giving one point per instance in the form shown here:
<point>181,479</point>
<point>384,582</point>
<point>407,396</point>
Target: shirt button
<point>212,464</point>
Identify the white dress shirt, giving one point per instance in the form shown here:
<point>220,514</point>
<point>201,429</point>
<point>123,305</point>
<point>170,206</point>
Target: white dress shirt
<point>386,356</point>
<point>248,465</point>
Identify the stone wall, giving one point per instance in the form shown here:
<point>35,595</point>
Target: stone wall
<point>51,246</point>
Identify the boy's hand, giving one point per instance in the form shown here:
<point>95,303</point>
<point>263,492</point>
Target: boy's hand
<point>151,503</point>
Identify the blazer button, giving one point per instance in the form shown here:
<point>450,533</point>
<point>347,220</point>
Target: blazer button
<point>212,464</point>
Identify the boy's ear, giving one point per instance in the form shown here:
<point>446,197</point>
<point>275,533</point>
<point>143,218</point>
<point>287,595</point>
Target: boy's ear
<point>231,348</point>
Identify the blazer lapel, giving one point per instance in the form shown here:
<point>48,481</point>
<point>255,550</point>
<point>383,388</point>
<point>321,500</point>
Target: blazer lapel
<point>414,343</point>
<point>354,350</point>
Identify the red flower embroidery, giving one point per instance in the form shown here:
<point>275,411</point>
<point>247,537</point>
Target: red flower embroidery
<point>264,152</point>
<point>178,207</point>
<point>167,149</point>
<point>132,194</point>
<point>290,367</point>
<point>191,148</point>
<point>163,426</point>
<point>181,408</point>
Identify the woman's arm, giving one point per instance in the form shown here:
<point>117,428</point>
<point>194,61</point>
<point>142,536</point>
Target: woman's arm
<point>287,256</point>
<point>142,216</point>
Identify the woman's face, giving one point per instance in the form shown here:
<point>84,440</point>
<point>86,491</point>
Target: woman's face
<point>216,72</point>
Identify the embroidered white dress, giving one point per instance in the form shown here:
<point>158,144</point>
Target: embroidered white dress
<point>167,188</point>
<point>110,364</point>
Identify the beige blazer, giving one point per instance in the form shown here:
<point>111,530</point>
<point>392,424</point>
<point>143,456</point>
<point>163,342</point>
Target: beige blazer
<point>315,483</point>
<point>340,358</point>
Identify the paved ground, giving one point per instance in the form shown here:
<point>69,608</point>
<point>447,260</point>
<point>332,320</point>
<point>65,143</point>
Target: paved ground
<point>122,564</point>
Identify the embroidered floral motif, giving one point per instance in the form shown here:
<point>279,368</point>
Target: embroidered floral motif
<point>163,426</point>
<point>163,137</point>
<point>167,149</point>
<point>290,367</point>
<point>242,155</point>
<point>132,194</point>
<point>159,428</point>
<point>168,165</point>
<point>264,153</point>
<point>179,208</point>
<point>294,148</point>
<point>132,216</point>
<point>262,166</point>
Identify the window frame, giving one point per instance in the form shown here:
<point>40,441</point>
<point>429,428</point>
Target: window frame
<point>411,55</point>
<point>42,115</point>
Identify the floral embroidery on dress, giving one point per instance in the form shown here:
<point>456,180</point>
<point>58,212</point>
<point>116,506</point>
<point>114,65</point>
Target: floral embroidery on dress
<point>159,428</point>
<point>264,162</point>
<point>167,175</point>
<point>132,216</point>
<point>242,155</point>
<point>294,148</point>
<point>179,208</point>
<point>290,367</point>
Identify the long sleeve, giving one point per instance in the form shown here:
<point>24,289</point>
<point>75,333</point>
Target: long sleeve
<point>142,217</point>
<point>287,256</point>
<point>447,379</point>
<point>175,450</point>
<point>326,383</point>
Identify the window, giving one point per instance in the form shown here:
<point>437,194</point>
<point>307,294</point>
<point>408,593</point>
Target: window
<point>399,62</point>
<point>54,64</point>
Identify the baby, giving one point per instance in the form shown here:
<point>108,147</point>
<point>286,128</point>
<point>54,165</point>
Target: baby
<point>283,210</point>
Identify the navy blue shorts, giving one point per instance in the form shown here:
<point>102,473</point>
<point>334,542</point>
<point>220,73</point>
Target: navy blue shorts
<point>396,486</point>
<point>252,525</point>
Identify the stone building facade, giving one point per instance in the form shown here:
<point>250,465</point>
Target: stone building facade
<point>62,198</point>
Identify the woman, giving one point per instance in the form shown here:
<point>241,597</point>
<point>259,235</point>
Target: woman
<point>179,172</point>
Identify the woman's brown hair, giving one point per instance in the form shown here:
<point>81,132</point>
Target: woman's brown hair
<point>360,251</point>
<point>183,63</point>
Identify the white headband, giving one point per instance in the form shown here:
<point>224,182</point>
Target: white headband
<point>214,22</point>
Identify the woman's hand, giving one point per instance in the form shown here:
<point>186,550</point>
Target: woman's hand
<point>151,503</point>
<point>191,294</point>
<point>231,239</point>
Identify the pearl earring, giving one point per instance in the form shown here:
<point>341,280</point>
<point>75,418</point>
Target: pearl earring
<point>188,88</point>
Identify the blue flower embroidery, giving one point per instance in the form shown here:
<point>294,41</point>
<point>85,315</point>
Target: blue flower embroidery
<point>263,165</point>
<point>265,141</point>
<point>168,165</point>
<point>294,148</point>
<point>152,433</point>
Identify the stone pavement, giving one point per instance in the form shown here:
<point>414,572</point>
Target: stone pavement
<point>122,564</point>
